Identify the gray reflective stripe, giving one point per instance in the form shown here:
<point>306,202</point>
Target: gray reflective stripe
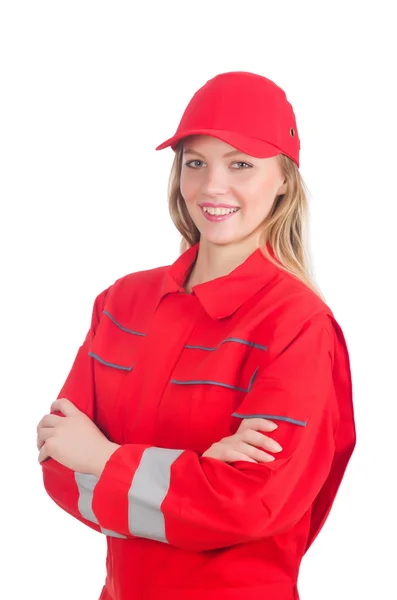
<point>226,385</point>
<point>238,340</point>
<point>149,487</point>
<point>112,533</point>
<point>105,312</point>
<point>108,364</point>
<point>275,417</point>
<point>86,484</point>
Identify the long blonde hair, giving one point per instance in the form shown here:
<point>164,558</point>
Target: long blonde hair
<point>286,227</point>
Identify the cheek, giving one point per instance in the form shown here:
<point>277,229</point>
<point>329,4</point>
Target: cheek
<point>189,189</point>
<point>258,196</point>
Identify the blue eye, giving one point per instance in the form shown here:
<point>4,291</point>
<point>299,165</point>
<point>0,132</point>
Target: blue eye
<point>242,163</point>
<point>189,164</point>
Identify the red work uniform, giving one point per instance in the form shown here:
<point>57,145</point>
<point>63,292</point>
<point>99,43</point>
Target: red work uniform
<point>166,374</point>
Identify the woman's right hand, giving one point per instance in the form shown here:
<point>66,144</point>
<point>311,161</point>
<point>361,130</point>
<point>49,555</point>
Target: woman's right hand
<point>247,443</point>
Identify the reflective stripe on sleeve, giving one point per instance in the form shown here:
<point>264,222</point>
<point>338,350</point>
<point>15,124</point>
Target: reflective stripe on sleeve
<point>86,484</point>
<point>149,487</point>
<point>271,417</point>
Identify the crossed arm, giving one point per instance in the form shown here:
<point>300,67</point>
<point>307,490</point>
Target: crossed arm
<point>193,501</point>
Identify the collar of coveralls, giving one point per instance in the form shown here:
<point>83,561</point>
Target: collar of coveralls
<point>222,296</point>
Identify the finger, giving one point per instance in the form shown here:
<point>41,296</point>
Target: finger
<point>48,421</point>
<point>43,454</point>
<point>44,434</point>
<point>256,438</point>
<point>226,454</point>
<point>258,424</point>
<point>243,457</point>
<point>232,455</point>
<point>254,453</point>
<point>64,406</point>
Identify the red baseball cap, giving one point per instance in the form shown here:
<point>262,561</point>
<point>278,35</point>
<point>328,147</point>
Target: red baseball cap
<point>247,111</point>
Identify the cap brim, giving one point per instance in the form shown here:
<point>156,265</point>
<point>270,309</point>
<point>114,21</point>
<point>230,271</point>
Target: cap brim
<point>248,145</point>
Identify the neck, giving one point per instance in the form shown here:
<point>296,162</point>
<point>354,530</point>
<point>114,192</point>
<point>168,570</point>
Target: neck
<point>215,261</point>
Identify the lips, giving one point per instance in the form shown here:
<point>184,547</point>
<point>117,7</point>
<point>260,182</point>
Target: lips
<point>210,217</point>
<point>211,205</point>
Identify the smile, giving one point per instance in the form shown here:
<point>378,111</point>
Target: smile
<point>218,214</point>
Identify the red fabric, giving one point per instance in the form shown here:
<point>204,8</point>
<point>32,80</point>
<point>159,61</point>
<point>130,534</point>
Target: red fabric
<point>234,531</point>
<point>79,388</point>
<point>246,110</point>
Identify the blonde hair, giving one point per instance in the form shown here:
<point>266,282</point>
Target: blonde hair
<point>286,227</point>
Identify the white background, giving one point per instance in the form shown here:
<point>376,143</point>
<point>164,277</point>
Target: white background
<point>88,90</point>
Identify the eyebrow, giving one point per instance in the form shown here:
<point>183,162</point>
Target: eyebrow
<point>232,153</point>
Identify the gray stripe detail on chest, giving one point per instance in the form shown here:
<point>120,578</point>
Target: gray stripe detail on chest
<point>226,385</point>
<point>237,340</point>
<point>105,312</point>
<point>109,364</point>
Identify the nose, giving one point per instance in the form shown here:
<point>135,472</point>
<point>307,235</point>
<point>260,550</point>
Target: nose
<point>216,181</point>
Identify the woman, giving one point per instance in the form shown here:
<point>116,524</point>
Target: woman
<point>207,420</point>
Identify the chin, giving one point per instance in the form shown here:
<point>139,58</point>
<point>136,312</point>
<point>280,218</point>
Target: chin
<point>220,240</point>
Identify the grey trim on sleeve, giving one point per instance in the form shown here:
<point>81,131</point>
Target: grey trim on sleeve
<point>271,417</point>
<point>149,487</point>
<point>86,484</point>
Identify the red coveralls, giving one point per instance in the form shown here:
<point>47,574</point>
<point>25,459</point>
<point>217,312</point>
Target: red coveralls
<point>166,374</point>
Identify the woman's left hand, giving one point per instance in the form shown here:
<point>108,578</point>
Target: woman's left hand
<point>73,440</point>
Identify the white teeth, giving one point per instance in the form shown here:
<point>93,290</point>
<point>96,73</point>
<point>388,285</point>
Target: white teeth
<point>219,211</point>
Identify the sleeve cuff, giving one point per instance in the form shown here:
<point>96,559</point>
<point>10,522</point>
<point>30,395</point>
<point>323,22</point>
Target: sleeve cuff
<point>110,498</point>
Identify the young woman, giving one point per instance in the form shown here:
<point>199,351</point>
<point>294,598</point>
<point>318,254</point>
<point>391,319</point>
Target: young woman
<point>207,420</point>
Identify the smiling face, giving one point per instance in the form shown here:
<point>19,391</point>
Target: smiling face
<point>215,174</point>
